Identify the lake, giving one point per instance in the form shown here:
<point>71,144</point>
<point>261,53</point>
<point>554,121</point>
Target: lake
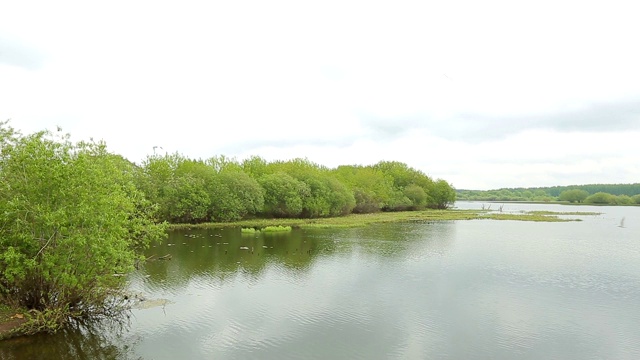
<point>478,289</point>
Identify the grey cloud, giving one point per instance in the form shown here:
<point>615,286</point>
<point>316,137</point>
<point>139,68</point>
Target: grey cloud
<point>16,53</point>
<point>477,128</point>
<point>596,117</point>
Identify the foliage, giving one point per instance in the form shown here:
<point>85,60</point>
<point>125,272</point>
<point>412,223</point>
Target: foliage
<point>416,195</point>
<point>547,194</point>
<point>372,190</point>
<point>573,195</point>
<point>234,195</point>
<point>326,195</point>
<point>177,185</point>
<point>613,189</point>
<point>443,195</point>
<point>284,196</point>
<point>277,228</point>
<point>600,198</point>
<point>255,166</point>
<point>406,184</point>
<point>221,189</point>
<point>623,200</point>
<point>70,218</point>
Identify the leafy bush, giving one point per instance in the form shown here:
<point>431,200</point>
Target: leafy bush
<point>574,195</point>
<point>234,195</point>
<point>70,219</point>
<point>284,196</point>
<point>600,198</point>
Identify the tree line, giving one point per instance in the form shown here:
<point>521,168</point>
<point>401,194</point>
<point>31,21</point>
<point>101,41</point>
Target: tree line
<point>611,194</point>
<point>222,189</point>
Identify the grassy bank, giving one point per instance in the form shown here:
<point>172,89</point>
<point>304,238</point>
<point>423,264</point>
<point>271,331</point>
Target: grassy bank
<point>358,220</point>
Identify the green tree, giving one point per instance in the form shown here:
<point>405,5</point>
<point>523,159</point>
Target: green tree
<point>372,190</point>
<point>622,200</point>
<point>403,177</point>
<point>327,196</point>
<point>179,186</point>
<point>417,195</point>
<point>284,196</point>
<point>600,198</point>
<point>255,166</point>
<point>70,219</point>
<point>573,195</point>
<point>443,195</point>
<point>234,195</point>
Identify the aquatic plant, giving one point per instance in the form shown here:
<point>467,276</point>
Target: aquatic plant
<point>277,228</point>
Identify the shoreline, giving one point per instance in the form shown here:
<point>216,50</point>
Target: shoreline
<point>359,220</point>
<point>543,202</point>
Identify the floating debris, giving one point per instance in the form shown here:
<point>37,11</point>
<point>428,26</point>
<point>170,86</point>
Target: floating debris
<point>148,304</point>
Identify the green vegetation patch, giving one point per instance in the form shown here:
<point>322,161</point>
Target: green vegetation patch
<point>277,228</point>
<point>584,213</point>
<point>360,220</point>
<point>540,215</point>
<point>249,231</point>
<point>527,217</point>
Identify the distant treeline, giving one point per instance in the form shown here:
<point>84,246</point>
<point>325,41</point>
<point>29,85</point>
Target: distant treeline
<point>615,194</point>
<point>613,189</point>
<point>221,189</point>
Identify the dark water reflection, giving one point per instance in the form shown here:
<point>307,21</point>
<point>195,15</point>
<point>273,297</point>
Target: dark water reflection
<point>101,341</point>
<point>452,290</point>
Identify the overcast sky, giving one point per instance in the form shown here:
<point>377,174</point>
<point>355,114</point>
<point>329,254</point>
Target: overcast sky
<point>484,94</point>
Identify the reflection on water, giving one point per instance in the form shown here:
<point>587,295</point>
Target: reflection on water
<point>466,289</point>
<point>103,340</point>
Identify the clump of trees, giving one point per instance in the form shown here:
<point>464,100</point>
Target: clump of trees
<point>221,189</point>
<point>71,220</point>
<point>602,198</point>
<point>519,194</point>
<point>573,195</point>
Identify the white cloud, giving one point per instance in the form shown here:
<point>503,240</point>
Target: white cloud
<point>484,94</point>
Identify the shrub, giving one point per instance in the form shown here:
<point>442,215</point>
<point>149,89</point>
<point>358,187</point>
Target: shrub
<point>70,219</point>
<point>600,198</point>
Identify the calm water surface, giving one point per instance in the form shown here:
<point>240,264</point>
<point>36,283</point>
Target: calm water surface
<point>447,290</point>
